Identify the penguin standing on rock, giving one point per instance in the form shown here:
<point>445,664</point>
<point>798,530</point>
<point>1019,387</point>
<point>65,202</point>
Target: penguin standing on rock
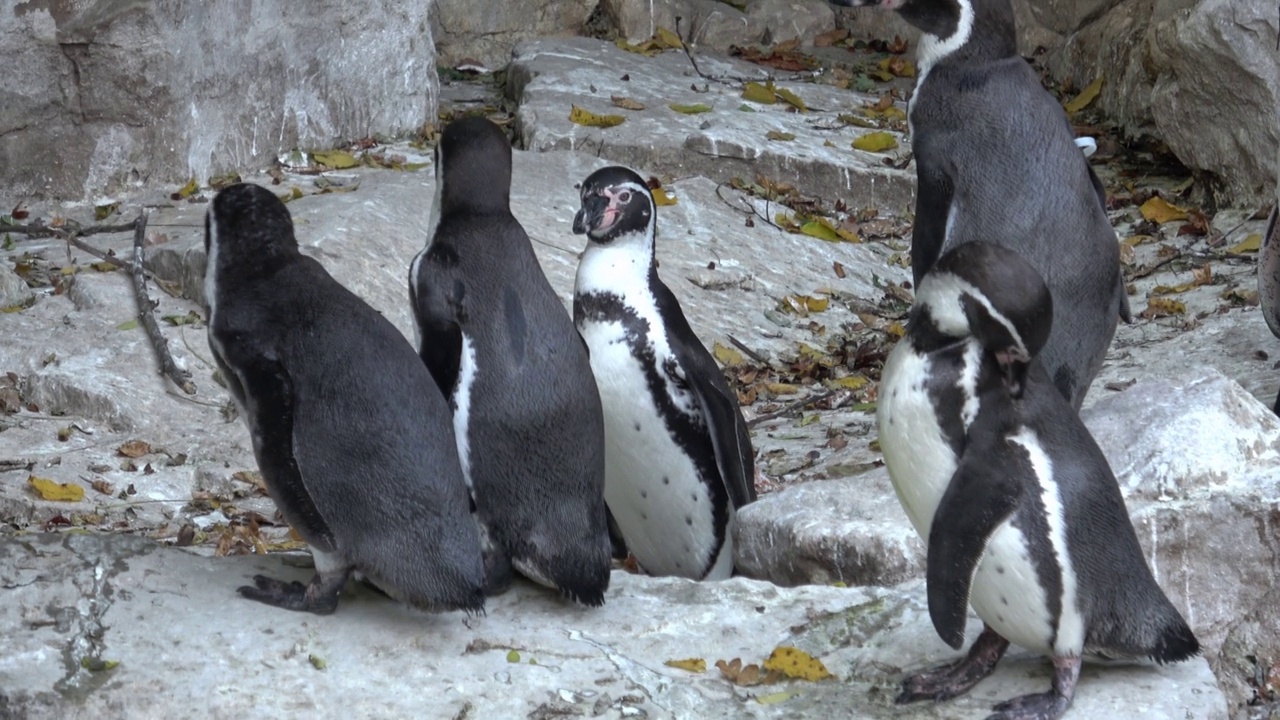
<point>996,162</point>
<point>503,349</point>
<point>679,459</point>
<point>352,437</point>
<point>1016,504</point>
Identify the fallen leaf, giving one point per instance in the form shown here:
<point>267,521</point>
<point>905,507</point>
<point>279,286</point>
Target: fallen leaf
<point>775,698</point>
<point>758,93</point>
<point>102,212</point>
<point>134,448</point>
<point>128,325</point>
<point>820,230</point>
<point>791,99</point>
<point>782,388</point>
<point>513,656</point>
<point>336,159</point>
<point>1252,243</point>
<point>896,329</point>
<point>103,486</point>
<point>1086,96</point>
<point>831,37</point>
<point>1159,211</point>
<point>51,490</point>
<point>693,665</point>
<point>98,664</point>
<point>796,663</point>
<point>851,382</point>
<point>317,662</point>
<point>779,135</point>
<point>727,356</point>
<point>838,268</point>
<point>191,318</point>
<point>584,117</point>
<point>1158,307</point>
<point>693,109</point>
<point>875,142</point>
<point>191,188</point>
<point>668,38</point>
<point>626,103</point>
<point>662,198</point>
<point>1172,289</point>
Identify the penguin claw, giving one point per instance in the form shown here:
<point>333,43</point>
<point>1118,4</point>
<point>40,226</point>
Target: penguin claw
<point>1040,706</point>
<point>316,597</point>
<point>947,681</point>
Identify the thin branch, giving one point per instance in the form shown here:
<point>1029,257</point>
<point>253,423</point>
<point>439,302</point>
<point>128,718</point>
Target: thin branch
<point>38,231</point>
<point>1144,273</point>
<point>730,79</point>
<point>747,351</point>
<point>181,378</point>
<point>791,407</point>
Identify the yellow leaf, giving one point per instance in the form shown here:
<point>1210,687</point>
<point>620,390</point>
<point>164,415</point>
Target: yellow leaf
<point>68,270</point>
<point>875,142</point>
<point>1136,240</point>
<point>896,330</point>
<point>186,191</point>
<point>775,698</point>
<point>763,94</point>
<point>782,388</point>
<point>102,266</point>
<point>820,230</point>
<point>693,665</point>
<point>791,99</point>
<point>852,382</point>
<point>102,212</point>
<point>816,304</point>
<point>848,235</point>
<point>668,38</point>
<point>1252,243</point>
<point>50,490</point>
<point>513,656</point>
<point>1158,210</point>
<point>317,662</point>
<point>644,48</point>
<point>585,117</point>
<point>128,325</point>
<point>336,159</point>
<point>662,198</point>
<point>1086,96</point>
<point>727,356</point>
<point>779,135</point>
<point>693,109</point>
<point>626,103</point>
<point>796,664</point>
<point>1172,289</point>
<point>1163,307</point>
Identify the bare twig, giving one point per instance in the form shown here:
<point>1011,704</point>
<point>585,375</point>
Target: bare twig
<point>750,209</point>
<point>791,407</point>
<point>1144,273</point>
<point>747,351</point>
<point>37,230</point>
<point>181,378</point>
<point>728,79</point>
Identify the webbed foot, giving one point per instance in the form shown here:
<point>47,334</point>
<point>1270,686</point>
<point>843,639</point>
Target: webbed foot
<point>947,681</point>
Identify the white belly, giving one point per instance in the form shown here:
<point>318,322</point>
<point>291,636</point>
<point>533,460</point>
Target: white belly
<point>1005,592</point>
<point>661,505</point>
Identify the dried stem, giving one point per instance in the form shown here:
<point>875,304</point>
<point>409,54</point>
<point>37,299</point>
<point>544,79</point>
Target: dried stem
<point>147,317</point>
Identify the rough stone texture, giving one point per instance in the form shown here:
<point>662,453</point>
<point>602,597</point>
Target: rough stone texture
<point>13,290</point>
<point>713,24</point>
<point>487,30</point>
<point>547,77</point>
<point>792,19</point>
<point>1067,16</point>
<point>185,645</point>
<point>102,94</point>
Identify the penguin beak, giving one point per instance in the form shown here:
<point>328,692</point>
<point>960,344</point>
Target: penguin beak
<point>592,212</point>
<point>1016,363</point>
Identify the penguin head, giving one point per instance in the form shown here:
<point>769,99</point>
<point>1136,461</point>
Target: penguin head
<point>993,295</point>
<point>473,167</point>
<point>615,203</point>
<point>248,229</point>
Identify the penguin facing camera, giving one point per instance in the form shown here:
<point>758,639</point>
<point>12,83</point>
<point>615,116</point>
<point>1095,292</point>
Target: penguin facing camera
<point>1021,515</point>
<point>353,438</point>
<point>502,348</point>
<point>996,161</point>
<point>679,463</point>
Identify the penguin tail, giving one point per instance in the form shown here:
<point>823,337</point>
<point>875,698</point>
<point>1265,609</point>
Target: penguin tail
<point>1175,643</point>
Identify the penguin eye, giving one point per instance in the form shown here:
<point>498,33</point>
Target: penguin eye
<point>624,196</point>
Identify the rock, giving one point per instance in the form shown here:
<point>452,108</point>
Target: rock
<point>637,20</point>
<point>1066,16</point>
<point>717,25</point>
<point>121,92</point>
<point>13,289</point>
<point>547,77</point>
<point>486,31</point>
<point>792,19</point>
<point>93,619</point>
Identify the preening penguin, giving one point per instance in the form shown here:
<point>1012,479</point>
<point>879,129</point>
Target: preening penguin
<point>1017,506</point>
<point>504,351</point>
<point>678,456</point>
<point>352,436</point>
<point>996,162</point>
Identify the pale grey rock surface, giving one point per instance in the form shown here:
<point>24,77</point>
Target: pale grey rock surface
<point>486,31</point>
<point>547,77</point>
<point>101,95</point>
<point>714,24</point>
<point>186,645</point>
<point>13,289</point>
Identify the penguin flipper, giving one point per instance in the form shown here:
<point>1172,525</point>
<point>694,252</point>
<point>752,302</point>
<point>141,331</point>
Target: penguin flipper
<point>728,430</point>
<point>983,493</point>
<point>933,206</point>
<point>267,383</point>
<point>436,314</point>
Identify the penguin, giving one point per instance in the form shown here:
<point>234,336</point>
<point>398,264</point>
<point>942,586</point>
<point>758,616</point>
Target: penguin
<point>502,347</point>
<point>1021,515</point>
<point>996,161</point>
<point>351,434</point>
<point>1269,275</point>
<point>679,463</point>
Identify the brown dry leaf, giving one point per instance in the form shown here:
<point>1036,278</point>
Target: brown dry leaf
<point>134,448</point>
<point>782,388</point>
<point>103,486</point>
<point>1202,275</point>
<point>626,103</point>
<point>830,37</point>
<point>52,490</point>
<point>585,117</point>
<point>838,268</point>
<point>1086,96</point>
<point>1159,211</point>
<point>250,477</point>
<point>750,676</point>
<point>693,665</point>
<point>795,663</point>
<point>1158,307</point>
<point>731,669</point>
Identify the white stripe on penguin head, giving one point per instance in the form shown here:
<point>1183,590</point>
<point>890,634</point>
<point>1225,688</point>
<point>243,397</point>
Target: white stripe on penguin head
<point>940,292</point>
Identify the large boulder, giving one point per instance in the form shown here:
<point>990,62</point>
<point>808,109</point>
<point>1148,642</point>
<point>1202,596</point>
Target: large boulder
<point>485,32</point>
<point>100,95</point>
<point>716,24</point>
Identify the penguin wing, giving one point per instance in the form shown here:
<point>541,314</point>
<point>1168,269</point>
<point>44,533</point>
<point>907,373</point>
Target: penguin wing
<point>984,492</point>
<point>1125,313</point>
<point>269,389</point>
<point>933,205</point>
<point>719,404</point>
<point>436,312</point>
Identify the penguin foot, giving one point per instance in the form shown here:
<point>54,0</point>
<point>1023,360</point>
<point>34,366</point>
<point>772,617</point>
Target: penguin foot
<point>320,596</point>
<point>1044,706</point>
<point>947,681</point>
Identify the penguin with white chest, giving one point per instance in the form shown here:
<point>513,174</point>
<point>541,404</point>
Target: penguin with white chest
<point>352,436</point>
<point>1018,508</point>
<point>996,162</point>
<point>679,462</point>
<point>503,349</point>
